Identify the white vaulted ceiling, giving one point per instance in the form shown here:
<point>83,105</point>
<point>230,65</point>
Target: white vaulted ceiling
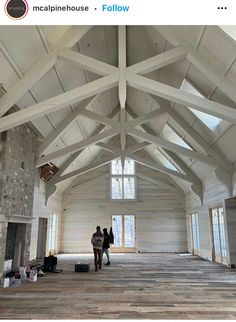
<point>76,82</point>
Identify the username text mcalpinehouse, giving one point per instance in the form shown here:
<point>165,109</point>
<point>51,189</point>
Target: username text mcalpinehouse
<point>60,8</point>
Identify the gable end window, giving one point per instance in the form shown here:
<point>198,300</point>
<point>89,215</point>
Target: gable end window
<point>123,180</point>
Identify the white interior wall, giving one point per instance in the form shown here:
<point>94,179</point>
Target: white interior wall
<point>160,218</point>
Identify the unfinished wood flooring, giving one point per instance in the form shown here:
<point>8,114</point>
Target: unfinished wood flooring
<point>135,286</point>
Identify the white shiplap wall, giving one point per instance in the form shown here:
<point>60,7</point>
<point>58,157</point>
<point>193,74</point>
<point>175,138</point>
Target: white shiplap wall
<point>214,194</point>
<point>160,218</point>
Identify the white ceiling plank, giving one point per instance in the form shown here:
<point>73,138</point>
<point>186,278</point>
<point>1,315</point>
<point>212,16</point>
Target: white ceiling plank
<point>99,118</point>
<point>58,102</point>
<point>173,94</point>
<point>158,61</point>
<point>88,183</point>
<point>200,62</point>
<point>145,118</point>
<point>108,147</point>
<point>93,65</point>
<point>156,182</point>
<point>77,146</point>
<point>64,125</point>
<point>197,137</point>
<point>40,69</point>
<point>204,66</point>
<point>122,65</point>
<point>174,158</point>
<point>153,165</point>
<point>90,167</point>
<point>173,147</point>
<point>73,157</point>
<point>137,147</point>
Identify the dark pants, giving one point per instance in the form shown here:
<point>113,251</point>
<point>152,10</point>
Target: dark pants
<point>97,258</point>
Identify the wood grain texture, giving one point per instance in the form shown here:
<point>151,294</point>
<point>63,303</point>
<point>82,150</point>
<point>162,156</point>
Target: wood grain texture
<point>135,286</point>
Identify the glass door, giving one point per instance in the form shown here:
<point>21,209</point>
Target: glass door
<point>123,227</point>
<point>218,235</point>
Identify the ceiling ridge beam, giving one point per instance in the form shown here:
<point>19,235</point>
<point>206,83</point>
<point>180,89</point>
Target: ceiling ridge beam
<point>40,68</point>
<point>151,64</point>
<point>64,125</point>
<point>77,146</point>
<point>58,102</point>
<point>173,147</point>
<point>85,62</point>
<point>122,65</point>
<point>173,94</point>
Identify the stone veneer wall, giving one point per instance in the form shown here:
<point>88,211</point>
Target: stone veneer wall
<point>17,175</point>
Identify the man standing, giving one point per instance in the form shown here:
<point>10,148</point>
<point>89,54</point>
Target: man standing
<point>97,242</point>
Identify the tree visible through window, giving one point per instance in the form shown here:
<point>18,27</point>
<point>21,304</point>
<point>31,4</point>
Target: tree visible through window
<point>123,179</point>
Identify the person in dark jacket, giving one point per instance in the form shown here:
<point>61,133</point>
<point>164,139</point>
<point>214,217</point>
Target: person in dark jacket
<point>106,245</point>
<point>97,242</point>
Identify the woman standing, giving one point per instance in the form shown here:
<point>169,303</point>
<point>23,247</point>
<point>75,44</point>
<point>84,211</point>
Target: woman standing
<point>106,245</point>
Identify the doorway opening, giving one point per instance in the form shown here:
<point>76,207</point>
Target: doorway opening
<point>124,233</point>
<point>42,238</point>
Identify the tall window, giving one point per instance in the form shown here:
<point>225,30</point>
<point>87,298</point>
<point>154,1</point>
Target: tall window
<point>218,234</point>
<point>195,233</point>
<point>52,233</point>
<point>123,180</point>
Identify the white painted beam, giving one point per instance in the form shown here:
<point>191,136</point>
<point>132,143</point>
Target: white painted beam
<point>40,68</point>
<point>205,67</point>
<point>77,146</point>
<point>173,147</point>
<point>90,167</point>
<point>122,65</point>
<point>197,137</point>
<point>158,61</point>
<point>99,118</point>
<point>58,102</point>
<point>122,135</point>
<point>72,117</point>
<point>87,63</point>
<point>199,61</point>
<point>137,147</point>
<point>75,155</point>
<point>108,147</point>
<point>156,182</point>
<point>145,118</point>
<point>88,183</point>
<point>173,94</point>
<point>155,166</point>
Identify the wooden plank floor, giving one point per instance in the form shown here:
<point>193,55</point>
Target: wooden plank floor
<point>135,286</point>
